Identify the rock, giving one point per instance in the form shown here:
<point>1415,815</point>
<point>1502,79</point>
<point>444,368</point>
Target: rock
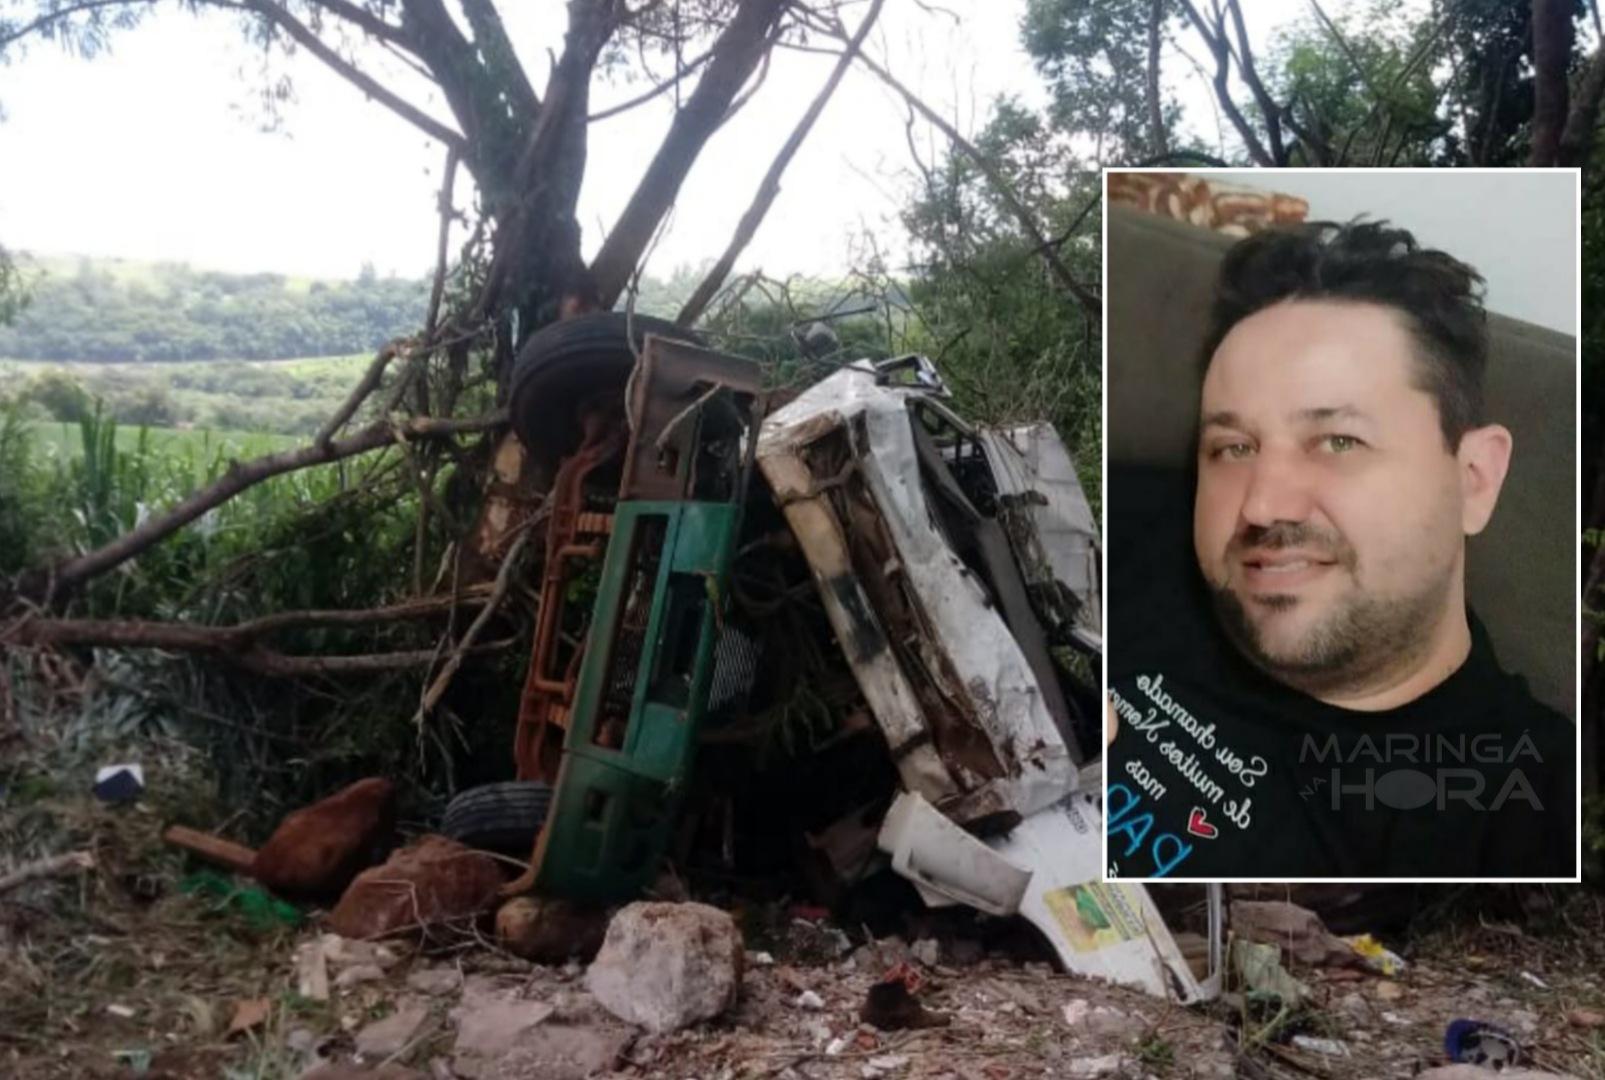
<point>809,1000</point>
<point>1388,990</point>
<point>1100,1020</point>
<point>489,1027</point>
<point>434,981</point>
<point>555,1051</point>
<point>356,1072</point>
<point>431,880</point>
<point>890,1007</point>
<point>1474,1072</point>
<point>927,951</point>
<point>550,931</point>
<point>666,966</point>
<point>358,974</point>
<point>1585,1018</point>
<point>382,1038</point>
<point>345,952</point>
<point>317,850</point>
<point>1107,1065</point>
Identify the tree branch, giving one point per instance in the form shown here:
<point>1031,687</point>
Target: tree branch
<point>368,23</point>
<point>641,99</point>
<point>1221,49</point>
<point>220,642</point>
<point>1089,301</point>
<point>1552,46</point>
<point>736,55</point>
<point>1158,144</point>
<point>66,13</point>
<point>769,189</point>
<point>1267,104</point>
<point>370,86</point>
<point>74,572</point>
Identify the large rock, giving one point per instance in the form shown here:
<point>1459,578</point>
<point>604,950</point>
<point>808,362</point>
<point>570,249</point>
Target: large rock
<point>666,966</point>
<point>317,850</point>
<point>432,880</point>
<point>549,931</point>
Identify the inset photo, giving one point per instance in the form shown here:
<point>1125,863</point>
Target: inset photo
<point>1342,550</point>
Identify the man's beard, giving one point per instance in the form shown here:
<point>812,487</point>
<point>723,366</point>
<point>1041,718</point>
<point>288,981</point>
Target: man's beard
<point>1354,645</point>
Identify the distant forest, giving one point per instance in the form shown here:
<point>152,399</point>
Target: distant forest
<point>99,311</point>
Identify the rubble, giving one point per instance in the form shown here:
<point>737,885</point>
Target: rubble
<point>317,850</point>
<point>664,966</point>
<point>1296,930</point>
<point>390,1035</point>
<point>550,931</point>
<point>431,881</point>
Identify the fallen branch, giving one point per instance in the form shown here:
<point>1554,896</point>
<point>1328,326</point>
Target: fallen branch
<point>504,579</point>
<point>73,572</point>
<point>225,643</point>
<point>214,849</point>
<point>55,866</point>
<point>770,187</point>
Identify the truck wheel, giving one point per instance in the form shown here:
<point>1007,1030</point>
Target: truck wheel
<point>499,817</point>
<point>567,362</point>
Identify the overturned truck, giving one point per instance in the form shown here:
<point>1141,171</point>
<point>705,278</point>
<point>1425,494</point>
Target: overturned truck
<point>872,627</point>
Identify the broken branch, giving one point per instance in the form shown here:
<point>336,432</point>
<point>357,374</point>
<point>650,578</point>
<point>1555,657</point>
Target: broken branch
<point>236,479</point>
<point>55,866</point>
<point>770,187</point>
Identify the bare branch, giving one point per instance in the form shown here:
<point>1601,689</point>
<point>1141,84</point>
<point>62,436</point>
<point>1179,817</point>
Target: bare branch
<point>1215,40</point>
<point>1089,301</point>
<point>368,23</point>
<point>737,53</point>
<point>54,866</point>
<point>303,35</point>
<point>1156,119</point>
<point>220,642</point>
<point>504,578</point>
<point>769,189</point>
<point>1267,104</point>
<point>73,572</point>
<point>438,289</point>
<point>66,13</point>
<point>641,99</point>
<point>359,393</point>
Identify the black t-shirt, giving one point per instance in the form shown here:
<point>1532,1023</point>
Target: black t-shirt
<point>1220,771</point>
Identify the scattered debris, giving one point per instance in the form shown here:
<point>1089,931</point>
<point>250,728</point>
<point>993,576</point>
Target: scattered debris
<point>389,1036</point>
<point>1475,1042</point>
<point>311,971</point>
<point>664,966</point>
<point>1100,1020</point>
<point>488,1026</point>
<point>357,974</point>
<point>54,866</point>
<point>1296,930</point>
<point>548,930</point>
<point>1535,980</point>
<point>317,850</point>
<point>356,1072</point>
<point>890,1007</point>
<point>122,1012</point>
<point>1585,1018</point>
<point>434,981</point>
<point>809,1000</point>
<point>1260,966</point>
<point>429,882</point>
<point>1328,1047</point>
<point>249,1013</point>
<point>214,849</point>
<point>118,784</point>
<point>1376,956</point>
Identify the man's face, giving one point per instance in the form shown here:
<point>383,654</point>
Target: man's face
<point>1328,519</point>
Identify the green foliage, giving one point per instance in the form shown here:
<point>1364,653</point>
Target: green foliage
<point>13,292</point>
<point>98,311</point>
<point>1094,55</point>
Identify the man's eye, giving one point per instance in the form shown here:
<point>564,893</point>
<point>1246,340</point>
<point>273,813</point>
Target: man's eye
<point>1340,444</point>
<point>1232,451</point>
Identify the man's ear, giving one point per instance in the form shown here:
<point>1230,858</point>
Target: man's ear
<point>1484,458</point>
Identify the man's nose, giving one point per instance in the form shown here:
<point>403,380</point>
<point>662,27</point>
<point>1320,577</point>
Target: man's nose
<point>1279,489</point>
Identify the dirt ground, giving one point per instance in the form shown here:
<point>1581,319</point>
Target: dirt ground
<point>140,967</point>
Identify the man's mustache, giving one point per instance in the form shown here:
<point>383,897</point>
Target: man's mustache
<point>1292,534</point>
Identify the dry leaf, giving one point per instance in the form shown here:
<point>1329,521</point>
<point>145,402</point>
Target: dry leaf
<point>248,1014</point>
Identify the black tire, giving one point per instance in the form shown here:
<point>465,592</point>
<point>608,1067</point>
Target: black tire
<point>567,363</point>
<point>499,817</point>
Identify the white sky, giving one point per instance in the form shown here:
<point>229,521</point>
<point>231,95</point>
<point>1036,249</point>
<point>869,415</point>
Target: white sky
<point>153,151</point>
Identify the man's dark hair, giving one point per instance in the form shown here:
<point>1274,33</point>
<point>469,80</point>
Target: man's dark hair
<point>1440,297</point>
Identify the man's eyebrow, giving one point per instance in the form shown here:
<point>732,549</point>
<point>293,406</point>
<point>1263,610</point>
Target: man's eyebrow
<point>1330,412</point>
<point>1223,418</point>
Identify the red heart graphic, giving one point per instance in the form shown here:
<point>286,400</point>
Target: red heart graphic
<point>1199,827</point>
